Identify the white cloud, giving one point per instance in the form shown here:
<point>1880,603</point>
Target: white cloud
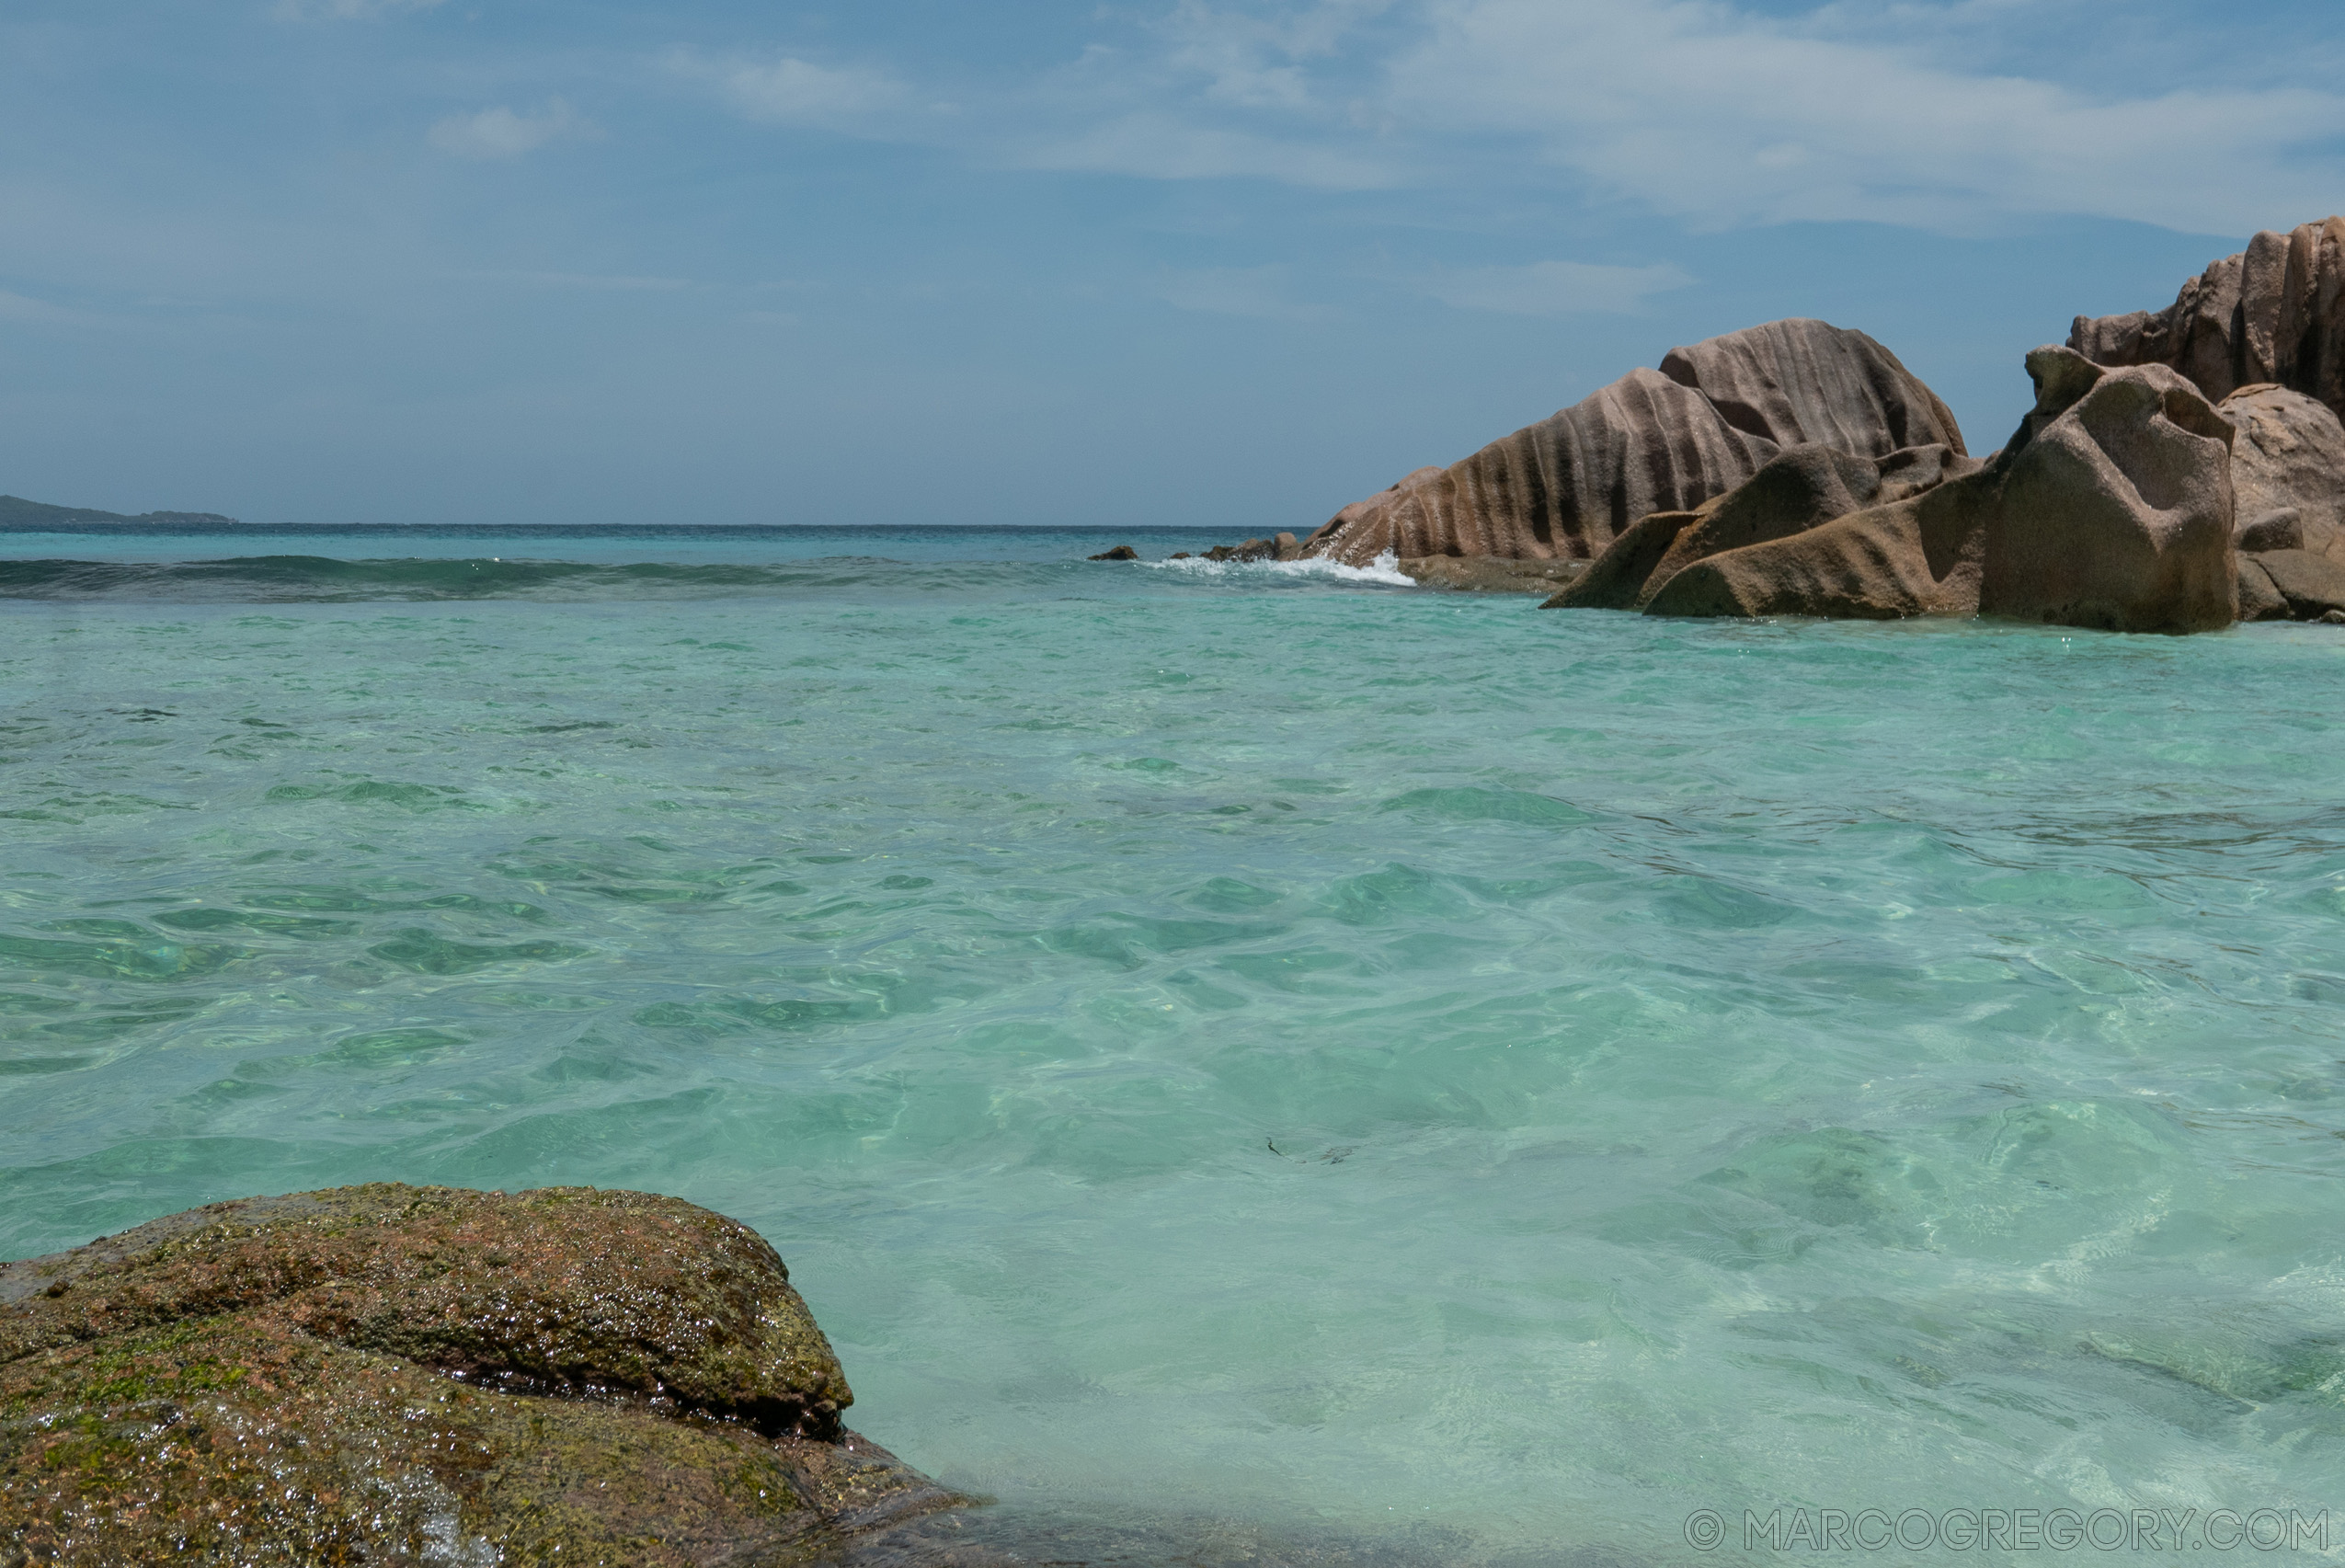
<point>1258,292</point>
<point>1257,60</point>
<point>1557,288</point>
<point>1708,112</point>
<point>349,10</point>
<point>790,91</point>
<point>1950,116</point>
<point>502,133</point>
<point>1165,146</point>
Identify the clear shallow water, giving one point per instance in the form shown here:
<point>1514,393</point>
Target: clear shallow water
<point>1264,1043</point>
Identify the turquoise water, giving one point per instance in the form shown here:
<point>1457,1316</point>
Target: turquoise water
<point>1245,1041</point>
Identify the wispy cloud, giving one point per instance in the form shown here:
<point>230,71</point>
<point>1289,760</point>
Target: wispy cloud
<point>1256,58</point>
<point>503,132</point>
<point>607,282</point>
<point>1557,288</point>
<point>38,313</point>
<point>349,10</point>
<point>1166,146</point>
<point>1258,292</point>
<point>1710,112</point>
<point>786,90</point>
<point>25,310</point>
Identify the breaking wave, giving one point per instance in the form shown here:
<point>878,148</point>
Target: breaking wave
<point>1384,571</point>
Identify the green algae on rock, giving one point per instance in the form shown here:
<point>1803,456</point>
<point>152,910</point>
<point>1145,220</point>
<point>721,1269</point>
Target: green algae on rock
<point>362,1375</point>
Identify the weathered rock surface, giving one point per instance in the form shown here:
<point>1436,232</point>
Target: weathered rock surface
<point>2288,494</point>
<point>2270,314</point>
<point>1490,574</point>
<point>2118,514</point>
<point>1803,486</point>
<point>1652,442</point>
<point>2290,456</point>
<point>2310,585</point>
<point>396,1375</point>
<point>2109,508</point>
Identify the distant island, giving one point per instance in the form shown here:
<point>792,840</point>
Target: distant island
<point>18,514</point>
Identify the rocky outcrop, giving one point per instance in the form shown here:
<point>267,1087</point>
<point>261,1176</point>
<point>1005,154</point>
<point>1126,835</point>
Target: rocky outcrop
<point>1652,442</point>
<point>425,1374</point>
<point>2270,314</point>
<point>1120,553</point>
<point>2111,507</point>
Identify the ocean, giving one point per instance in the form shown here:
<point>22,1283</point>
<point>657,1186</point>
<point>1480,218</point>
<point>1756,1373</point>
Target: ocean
<point>1266,1046</point>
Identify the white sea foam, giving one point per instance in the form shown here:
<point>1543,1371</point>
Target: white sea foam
<point>1384,571</point>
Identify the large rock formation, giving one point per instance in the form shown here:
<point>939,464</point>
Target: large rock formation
<point>2111,507</point>
<point>1667,440</point>
<point>393,1374</point>
<point>2271,314</point>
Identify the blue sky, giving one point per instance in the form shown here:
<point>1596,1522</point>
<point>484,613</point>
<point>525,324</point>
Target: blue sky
<point>1227,263</point>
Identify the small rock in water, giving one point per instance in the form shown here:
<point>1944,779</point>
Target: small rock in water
<point>1121,553</point>
<point>2333,618</point>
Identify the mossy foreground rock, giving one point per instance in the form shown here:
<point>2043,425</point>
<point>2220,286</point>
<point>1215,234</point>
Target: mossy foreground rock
<point>390,1374</point>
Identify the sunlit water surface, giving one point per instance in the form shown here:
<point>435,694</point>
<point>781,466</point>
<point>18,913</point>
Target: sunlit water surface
<point>1243,1041</point>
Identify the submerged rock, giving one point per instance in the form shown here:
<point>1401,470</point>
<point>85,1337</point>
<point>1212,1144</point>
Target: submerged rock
<point>1652,442</point>
<point>1121,553</point>
<point>2111,507</point>
<point>398,1374</point>
<point>2271,314</point>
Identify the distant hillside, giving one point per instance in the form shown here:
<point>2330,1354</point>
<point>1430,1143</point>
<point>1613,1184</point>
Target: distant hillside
<point>16,512</point>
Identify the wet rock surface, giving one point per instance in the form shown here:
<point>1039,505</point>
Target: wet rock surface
<point>1654,440</point>
<point>393,1374</point>
<point>1278,547</point>
<point>1490,574</point>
